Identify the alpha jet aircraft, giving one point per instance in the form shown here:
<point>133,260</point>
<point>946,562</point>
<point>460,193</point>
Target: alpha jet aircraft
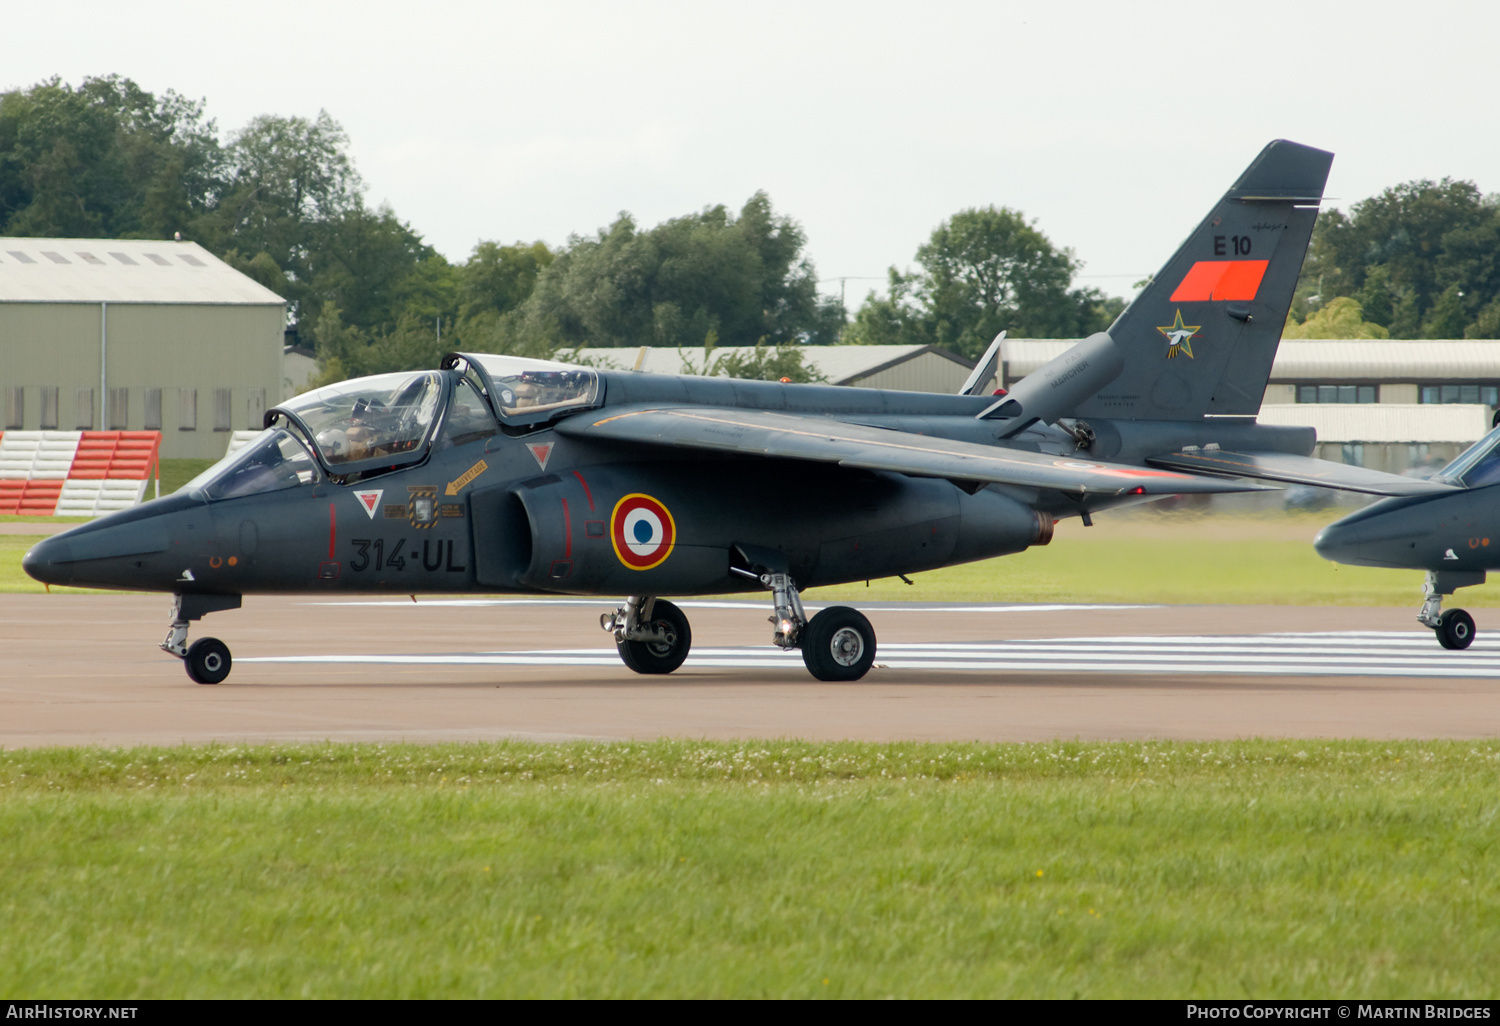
<point>499,474</point>
<point>1445,525</point>
<point>1448,529</point>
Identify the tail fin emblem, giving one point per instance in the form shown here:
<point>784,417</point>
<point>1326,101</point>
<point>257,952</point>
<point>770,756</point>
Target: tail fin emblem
<point>1180,337</point>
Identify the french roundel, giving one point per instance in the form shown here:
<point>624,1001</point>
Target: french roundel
<point>643,531</point>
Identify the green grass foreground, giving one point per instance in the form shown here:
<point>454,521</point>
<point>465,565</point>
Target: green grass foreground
<point>782,869</point>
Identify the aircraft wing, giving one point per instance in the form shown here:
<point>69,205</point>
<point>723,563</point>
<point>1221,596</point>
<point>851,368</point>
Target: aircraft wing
<point>821,440</point>
<point>1288,469</point>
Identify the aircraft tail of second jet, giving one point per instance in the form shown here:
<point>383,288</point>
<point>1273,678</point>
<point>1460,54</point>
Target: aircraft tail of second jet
<point>1201,338</point>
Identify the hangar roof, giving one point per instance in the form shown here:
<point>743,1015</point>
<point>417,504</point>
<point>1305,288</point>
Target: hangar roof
<point>1326,360</point>
<point>122,271</point>
<point>841,365</point>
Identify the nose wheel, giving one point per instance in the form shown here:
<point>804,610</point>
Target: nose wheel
<point>206,660</point>
<point>1454,628</point>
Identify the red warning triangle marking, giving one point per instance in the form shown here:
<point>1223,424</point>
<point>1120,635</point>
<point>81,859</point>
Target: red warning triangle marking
<point>541,452</point>
<point>370,500</point>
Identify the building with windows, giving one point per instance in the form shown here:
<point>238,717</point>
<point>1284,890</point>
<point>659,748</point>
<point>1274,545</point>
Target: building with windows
<point>135,335</point>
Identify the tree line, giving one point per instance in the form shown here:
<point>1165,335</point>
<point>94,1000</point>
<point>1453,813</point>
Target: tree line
<point>281,200</point>
<point>1420,260</point>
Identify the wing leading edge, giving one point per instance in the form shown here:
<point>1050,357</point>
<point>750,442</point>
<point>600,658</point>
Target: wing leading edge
<point>1288,469</point>
<point>815,439</point>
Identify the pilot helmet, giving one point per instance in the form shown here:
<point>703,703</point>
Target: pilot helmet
<point>334,442</point>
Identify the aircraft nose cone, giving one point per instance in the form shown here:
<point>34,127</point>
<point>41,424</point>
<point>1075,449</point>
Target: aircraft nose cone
<point>48,561</point>
<point>1332,543</point>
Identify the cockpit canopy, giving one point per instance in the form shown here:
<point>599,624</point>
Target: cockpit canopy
<point>370,424</point>
<point>1478,465</point>
<point>367,426</point>
<point>525,391</point>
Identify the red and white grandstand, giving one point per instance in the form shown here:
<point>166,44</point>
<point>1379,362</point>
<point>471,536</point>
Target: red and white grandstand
<point>76,473</point>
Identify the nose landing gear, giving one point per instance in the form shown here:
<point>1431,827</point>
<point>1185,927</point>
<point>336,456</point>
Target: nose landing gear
<point>207,660</point>
<point>1455,628</point>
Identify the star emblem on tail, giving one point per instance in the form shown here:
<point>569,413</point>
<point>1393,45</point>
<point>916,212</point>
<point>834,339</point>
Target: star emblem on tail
<point>1180,337</point>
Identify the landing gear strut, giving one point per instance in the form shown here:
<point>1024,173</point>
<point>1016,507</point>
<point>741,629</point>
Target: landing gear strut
<point>651,634</point>
<point>1455,628</point>
<point>837,644</point>
<point>207,660</point>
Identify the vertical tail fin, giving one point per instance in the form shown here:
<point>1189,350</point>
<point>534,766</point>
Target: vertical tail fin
<point>1200,339</point>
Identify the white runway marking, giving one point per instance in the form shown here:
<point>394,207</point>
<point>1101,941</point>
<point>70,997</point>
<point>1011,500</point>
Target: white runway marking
<point>1352,653</point>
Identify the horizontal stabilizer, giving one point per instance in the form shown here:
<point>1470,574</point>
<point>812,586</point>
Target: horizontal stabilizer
<point>821,440</point>
<point>1303,470</point>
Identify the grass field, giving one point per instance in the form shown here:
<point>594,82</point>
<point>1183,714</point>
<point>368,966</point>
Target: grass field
<point>781,869</point>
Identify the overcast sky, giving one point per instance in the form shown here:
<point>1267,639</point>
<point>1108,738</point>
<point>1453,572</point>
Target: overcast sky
<point>1113,125</point>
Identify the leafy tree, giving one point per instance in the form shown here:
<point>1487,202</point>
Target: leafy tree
<point>365,262</point>
<point>983,271</point>
<point>1422,258</point>
<point>1342,318</point>
<point>498,279</point>
<point>345,351</point>
<point>260,268</point>
<point>1487,324</point>
<point>106,159</point>
<point>742,278</point>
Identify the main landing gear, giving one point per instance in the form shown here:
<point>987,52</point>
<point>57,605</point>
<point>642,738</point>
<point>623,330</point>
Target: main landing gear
<point>1455,628</point>
<point>651,634</point>
<point>838,644</point>
<point>207,660</point>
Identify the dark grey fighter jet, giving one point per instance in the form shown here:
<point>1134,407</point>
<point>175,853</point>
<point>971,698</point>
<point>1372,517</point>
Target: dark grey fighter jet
<point>496,474</point>
<point>1446,526</point>
<point>1450,529</point>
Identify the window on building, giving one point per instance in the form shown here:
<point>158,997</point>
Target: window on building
<point>119,409</point>
<point>15,408</point>
<point>1338,393</point>
<point>255,408</point>
<point>83,399</point>
<point>1489,395</point>
<point>222,399</point>
<point>187,409</point>
<point>153,410</point>
<point>48,399</point>
<point>1353,454</point>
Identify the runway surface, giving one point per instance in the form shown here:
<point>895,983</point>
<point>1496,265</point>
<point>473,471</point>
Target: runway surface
<point>83,669</point>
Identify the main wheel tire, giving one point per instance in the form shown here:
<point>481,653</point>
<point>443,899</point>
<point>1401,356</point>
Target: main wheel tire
<point>659,656</point>
<point>1455,629</point>
<point>838,644</point>
<point>208,661</point>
